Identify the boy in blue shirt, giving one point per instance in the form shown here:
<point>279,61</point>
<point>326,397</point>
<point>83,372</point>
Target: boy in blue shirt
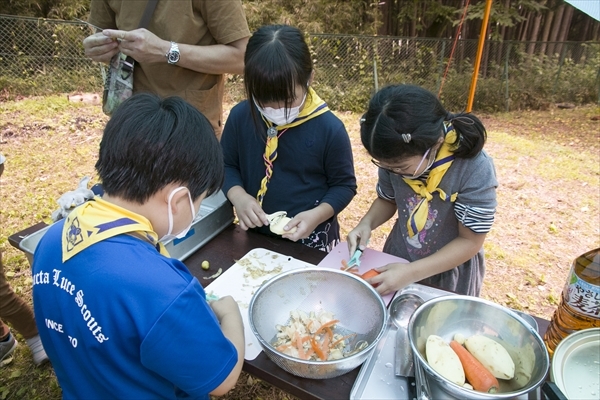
<point>118,317</point>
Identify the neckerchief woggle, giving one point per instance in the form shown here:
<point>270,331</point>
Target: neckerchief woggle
<point>313,107</point>
<point>98,220</point>
<point>443,160</point>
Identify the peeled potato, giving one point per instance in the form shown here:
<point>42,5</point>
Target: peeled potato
<point>277,227</point>
<point>492,355</point>
<point>444,360</point>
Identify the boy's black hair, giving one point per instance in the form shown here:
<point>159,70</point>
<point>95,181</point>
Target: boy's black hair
<point>406,109</point>
<point>151,142</point>
<point>277,59</point>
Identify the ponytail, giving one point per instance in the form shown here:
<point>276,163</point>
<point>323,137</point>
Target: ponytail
<point>470,134</point>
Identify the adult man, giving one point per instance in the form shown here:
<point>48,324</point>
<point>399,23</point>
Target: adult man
<point>187,47</point>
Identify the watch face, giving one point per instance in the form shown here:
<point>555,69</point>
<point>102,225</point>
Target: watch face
<point>173,57</point>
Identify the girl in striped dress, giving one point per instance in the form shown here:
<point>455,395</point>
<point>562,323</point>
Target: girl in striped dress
<point>434,173</point>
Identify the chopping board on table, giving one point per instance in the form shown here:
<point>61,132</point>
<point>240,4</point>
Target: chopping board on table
<point>369,260</point>
<point>244,277</point>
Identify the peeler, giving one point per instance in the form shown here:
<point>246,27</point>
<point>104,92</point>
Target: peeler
<point>354,261</point>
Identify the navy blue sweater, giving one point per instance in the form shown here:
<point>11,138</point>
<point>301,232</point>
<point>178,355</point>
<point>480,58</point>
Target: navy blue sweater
<point>314,165</point>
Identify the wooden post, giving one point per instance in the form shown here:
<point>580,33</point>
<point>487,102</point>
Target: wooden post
<point>482,36</point>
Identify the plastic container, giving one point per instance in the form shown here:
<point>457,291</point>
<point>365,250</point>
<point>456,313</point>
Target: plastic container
<point>579,306</point>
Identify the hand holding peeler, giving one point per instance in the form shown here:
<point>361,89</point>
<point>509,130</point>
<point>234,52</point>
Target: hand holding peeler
<point>354,261</point>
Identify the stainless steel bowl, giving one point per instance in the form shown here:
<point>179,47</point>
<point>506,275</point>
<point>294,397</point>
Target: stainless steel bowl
<point>353,302</point>
<point>448,315</point>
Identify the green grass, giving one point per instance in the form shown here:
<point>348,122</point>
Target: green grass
<point>548,206</point>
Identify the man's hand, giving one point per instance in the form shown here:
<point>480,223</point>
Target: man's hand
<point>100,47</point>
<point>140,44</point>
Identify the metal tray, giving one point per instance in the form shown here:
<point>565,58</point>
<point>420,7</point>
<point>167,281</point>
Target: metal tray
<point>215,214</point>
<point>376,379</point>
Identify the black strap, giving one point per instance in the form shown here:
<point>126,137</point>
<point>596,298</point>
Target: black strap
<point>148,13</point>
<point>128,66</point>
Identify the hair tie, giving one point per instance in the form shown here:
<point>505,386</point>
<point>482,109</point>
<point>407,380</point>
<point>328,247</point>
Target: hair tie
<point>449,116</point>
<point>406,137</point>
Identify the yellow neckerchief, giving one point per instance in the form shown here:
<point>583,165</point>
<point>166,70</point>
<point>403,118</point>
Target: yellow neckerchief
<point>443,160</point>
<point>313,107</point>
<point>98,220</point>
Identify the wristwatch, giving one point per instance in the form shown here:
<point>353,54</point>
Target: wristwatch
<point>173,54</point>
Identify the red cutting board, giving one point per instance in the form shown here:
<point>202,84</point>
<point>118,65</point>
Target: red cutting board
<point>369,260</point>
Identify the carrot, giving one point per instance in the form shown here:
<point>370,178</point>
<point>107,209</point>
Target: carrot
<point>318,349</point>
<point>369,274</point>
<point>478,376</point>
<point>327,340</point>
<point>332,345</point>
<point>283,347</point>
<point>344,265</point>
<point>300,347</point>
<point>326,325</point>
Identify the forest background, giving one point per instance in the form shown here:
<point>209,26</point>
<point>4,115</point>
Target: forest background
<point>51,142</point>
<point>518,20</point>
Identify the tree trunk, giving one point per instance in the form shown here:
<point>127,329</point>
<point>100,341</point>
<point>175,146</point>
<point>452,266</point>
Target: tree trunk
<point>595,31</point>
<point>554,31</point>
<point>565,26</point>
<point>413,22</point>
<point>535,31</point>
<point>523,36</point>
<point>546,32</point>
<point>384,13</point>
<point>501,33</point>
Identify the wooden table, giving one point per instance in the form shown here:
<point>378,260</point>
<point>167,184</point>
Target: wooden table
<point>222,252</point>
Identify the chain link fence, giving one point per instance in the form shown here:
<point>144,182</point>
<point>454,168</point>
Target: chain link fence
<point>42,56</point>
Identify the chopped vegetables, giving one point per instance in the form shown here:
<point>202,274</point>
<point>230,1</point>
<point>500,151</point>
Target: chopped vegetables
<point>312,337</point>
<point>216,275</point>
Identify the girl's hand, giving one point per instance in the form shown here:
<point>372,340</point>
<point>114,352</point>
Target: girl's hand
<point>361,234</point>
<point>392,277</point>
<point>248,211</point>
<point>305,223</point>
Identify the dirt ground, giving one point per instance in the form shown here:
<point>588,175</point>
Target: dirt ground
<point>547,162</point>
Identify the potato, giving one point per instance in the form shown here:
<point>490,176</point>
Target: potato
<point>492,355</point>
<point>444,360</point>
<point>277,228</point>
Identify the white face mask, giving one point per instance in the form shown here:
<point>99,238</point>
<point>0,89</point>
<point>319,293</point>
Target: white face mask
<point>278,115</point>
<point>180,235</point>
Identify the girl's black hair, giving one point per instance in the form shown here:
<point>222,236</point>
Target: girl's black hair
<point>150,143</point>
<point>277,59</point>
<point>411,110</point>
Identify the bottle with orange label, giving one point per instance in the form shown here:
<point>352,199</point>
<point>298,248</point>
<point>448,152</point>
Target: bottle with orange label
<point>579,306</point>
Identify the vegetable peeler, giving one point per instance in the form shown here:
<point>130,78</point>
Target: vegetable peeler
<point>354,261</point>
